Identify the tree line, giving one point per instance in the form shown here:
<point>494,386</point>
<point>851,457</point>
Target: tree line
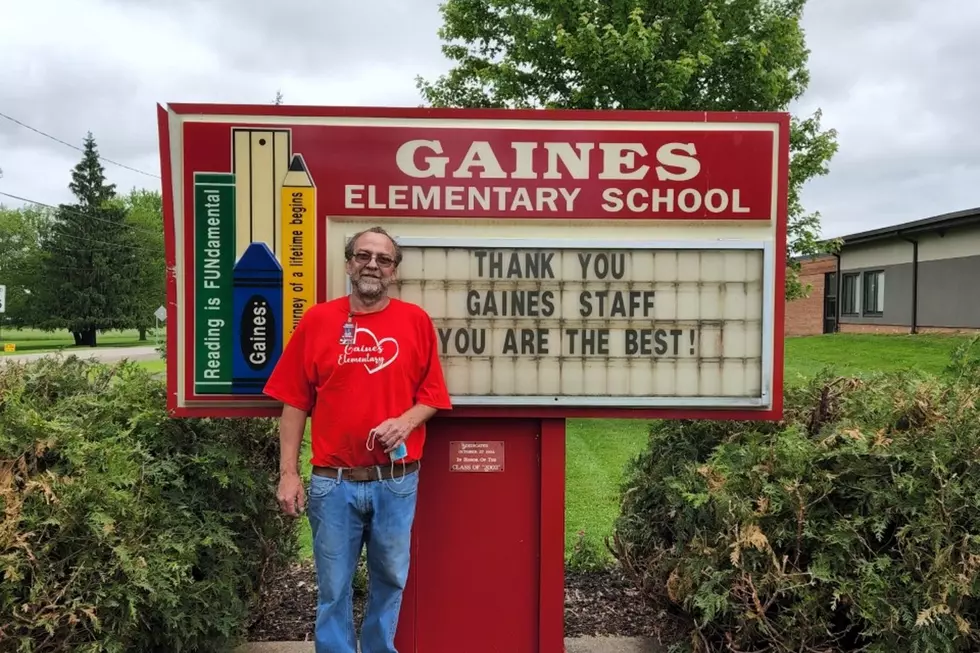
<point>90,266</point>
<point>98,264</point>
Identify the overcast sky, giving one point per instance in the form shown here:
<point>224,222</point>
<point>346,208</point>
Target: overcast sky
<point>896,78</point>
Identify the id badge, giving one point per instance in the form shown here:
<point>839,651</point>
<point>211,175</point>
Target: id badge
<point>347,336</point>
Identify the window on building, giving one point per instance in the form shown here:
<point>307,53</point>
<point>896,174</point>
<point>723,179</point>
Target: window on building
<point>849,294</point>
<point>830,284</point>
<point>873,297</point>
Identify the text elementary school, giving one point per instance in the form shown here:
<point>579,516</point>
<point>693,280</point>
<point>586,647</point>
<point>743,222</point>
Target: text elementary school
<point>674,162</point>
<point>572,261</point>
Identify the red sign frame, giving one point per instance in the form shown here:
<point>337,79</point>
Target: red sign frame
<point>363,141</point>
<point>584,144</point>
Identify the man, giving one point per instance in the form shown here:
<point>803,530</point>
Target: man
<point>366,368</point>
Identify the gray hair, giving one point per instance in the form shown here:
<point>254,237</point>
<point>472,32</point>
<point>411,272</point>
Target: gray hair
<point>349,249</point>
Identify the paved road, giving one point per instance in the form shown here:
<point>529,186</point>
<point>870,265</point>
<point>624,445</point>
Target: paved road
<point>105,354</point>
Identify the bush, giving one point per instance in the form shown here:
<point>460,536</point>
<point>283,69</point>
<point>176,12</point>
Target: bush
<point>854,523</point>
<point>125,530</point>
<point>585,555</point>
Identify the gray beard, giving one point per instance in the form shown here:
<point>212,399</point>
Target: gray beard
<point>369,292</point>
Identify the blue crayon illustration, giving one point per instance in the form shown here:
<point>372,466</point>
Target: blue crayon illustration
<point>257,328</point>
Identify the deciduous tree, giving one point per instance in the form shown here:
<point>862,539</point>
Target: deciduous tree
<point>144,244</point>
<point>700,55</point>
<point>21,231</point>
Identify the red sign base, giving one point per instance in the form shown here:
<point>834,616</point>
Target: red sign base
<point>487,570</point>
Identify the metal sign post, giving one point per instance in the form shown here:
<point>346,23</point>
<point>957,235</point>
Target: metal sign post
<point>161,315</point>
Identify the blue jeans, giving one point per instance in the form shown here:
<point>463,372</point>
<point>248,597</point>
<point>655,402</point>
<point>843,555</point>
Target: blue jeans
<point>344,516</point>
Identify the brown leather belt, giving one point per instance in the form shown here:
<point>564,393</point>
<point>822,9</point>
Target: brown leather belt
<point>362,474</point>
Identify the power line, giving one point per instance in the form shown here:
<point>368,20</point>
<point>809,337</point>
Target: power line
<point>75,147</point>
<point>82,215</point>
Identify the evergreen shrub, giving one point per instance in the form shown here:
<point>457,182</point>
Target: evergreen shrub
<point>853,524</point>
<point>124,529</point>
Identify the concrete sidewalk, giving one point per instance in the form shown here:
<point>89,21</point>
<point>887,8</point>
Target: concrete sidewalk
<point>572,645</point>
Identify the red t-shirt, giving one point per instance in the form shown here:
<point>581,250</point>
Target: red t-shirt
<point>393,365</point>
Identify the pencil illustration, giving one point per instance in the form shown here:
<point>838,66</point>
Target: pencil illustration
<point>214,260</point>
<point>298,233</point>
<point>261,158</point>
<point>258,321</point>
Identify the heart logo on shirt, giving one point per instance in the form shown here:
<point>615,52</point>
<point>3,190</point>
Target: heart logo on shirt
<point>374,354</point>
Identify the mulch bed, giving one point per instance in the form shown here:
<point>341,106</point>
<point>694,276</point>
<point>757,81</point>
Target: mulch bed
<point>600,603</point>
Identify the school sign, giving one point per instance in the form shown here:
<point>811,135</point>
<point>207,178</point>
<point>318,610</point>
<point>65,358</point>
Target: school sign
<point>616,263</point>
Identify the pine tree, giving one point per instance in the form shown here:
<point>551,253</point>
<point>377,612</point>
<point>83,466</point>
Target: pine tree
<point>86,259</point>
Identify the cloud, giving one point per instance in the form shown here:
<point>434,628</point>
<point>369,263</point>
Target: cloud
<point>894,77</point>
<point>109,76</point>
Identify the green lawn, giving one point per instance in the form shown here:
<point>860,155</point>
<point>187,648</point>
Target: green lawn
<point>597,450</point>
<point>861,353</point>
<point>158,367</point>
<point>34,340</point>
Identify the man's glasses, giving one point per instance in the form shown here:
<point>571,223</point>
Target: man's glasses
<point>383,260</point>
